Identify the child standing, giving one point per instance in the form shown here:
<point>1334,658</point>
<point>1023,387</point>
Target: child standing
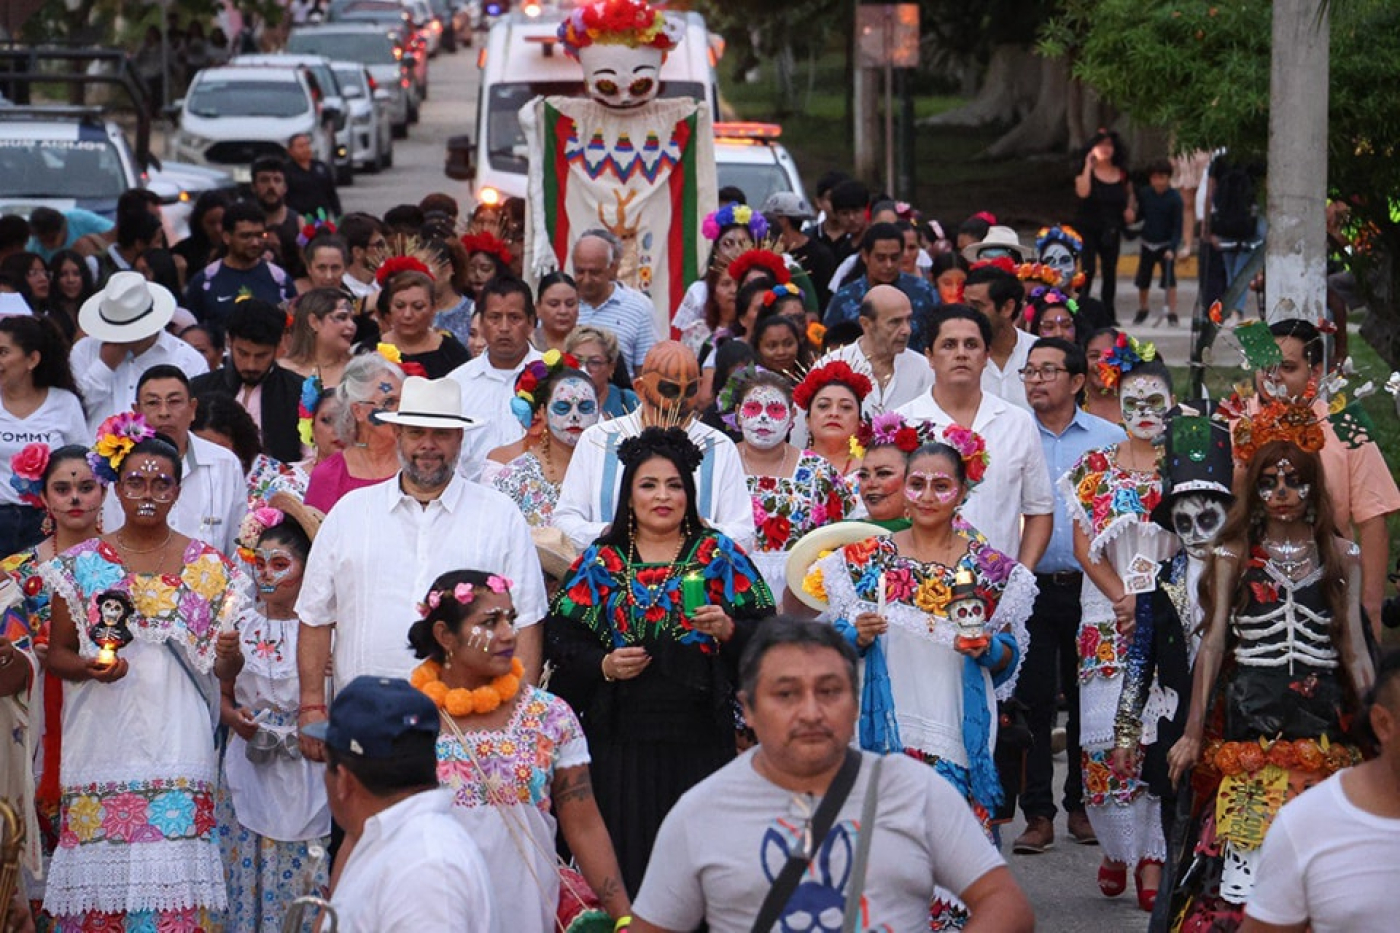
<point>1160,208</point>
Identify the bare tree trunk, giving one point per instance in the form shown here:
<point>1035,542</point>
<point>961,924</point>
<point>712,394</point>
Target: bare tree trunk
<point>1044,129</point>
<point>785,68</point>
<point>1009,90</point>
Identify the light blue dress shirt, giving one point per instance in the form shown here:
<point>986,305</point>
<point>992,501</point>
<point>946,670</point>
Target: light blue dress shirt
<point>1085,433</point>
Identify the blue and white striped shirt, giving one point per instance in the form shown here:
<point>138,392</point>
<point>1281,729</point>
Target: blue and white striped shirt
<point>630,316</point>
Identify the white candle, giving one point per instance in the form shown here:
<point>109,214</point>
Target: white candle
<point>880,598</point>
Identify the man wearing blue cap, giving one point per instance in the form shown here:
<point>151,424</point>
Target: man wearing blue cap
<point>406,863</point>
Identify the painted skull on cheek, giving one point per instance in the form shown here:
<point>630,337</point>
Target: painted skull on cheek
<point>1144,402</point>
<point>572,408</point>
<point>621,77</point>
<point>1058,257</point>
<point>1197,519</point>
<point>765,417</point>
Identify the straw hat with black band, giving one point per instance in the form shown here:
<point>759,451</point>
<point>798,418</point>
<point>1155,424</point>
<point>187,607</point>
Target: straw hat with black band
<point>429,403</point>
<point>127,310</point>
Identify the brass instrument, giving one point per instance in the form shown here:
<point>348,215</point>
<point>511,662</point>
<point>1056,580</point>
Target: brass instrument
<point>11,848</point>
<point>297,911</point>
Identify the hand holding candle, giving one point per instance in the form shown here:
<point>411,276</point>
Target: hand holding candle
<point>880,597</point>
<point>693,592</point>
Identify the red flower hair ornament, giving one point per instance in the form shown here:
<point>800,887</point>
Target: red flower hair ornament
<point>837,372</point>
<point>487,243</point>
<point>760,259</point>
<point>396,264</point>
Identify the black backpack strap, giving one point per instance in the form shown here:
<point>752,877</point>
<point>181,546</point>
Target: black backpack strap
<point>797,862</point>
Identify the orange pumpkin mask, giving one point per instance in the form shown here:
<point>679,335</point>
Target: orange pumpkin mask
<point>669,379</point>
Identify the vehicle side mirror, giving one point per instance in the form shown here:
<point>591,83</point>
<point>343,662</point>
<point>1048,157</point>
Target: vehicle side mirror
<point>171,112</point>
<point>335,115</point>
<point>461,158</point>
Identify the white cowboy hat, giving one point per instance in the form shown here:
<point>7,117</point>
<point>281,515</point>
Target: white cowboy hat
<point>429,403</point>
<point>127,309</point>
<point>999,240</point>
<point>808,550</point>
<point>555,551</point>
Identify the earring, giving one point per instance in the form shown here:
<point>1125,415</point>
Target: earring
<point>46,527</point>
<point>447,662</point>
<point>1310,514</point>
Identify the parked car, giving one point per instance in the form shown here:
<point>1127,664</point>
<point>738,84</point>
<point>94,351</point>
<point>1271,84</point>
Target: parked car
<point>456,23</point>
<point>427,22</point>
<point>332,98</point>
<point>63,157</point>
<point>371,122</point>
<point>749,157</point>
<point>367,44</point>
<point>391,14</point>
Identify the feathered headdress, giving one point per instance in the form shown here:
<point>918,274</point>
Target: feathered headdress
<point>407,254</point>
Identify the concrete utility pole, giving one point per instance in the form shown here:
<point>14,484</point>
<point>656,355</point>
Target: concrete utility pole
<point>1296,252</point>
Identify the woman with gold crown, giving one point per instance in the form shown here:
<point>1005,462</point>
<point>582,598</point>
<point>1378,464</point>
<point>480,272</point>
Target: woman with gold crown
<point>1281,667</point>
<point>938,617</point>
<point>1110,493</point>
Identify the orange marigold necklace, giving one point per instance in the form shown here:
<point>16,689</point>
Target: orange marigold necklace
<point>464,701</point>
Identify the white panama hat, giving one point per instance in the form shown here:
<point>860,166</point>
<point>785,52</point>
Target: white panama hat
<point>429,403</point>
<point>127,309</point>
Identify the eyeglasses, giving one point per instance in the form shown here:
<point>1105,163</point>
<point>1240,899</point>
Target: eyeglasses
<point>595,362</point>
<point>1041,374</point>
<point>161,488</point>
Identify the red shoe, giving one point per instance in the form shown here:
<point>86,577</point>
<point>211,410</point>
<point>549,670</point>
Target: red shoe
<point>1147,897</point>
<point>1113,881</point>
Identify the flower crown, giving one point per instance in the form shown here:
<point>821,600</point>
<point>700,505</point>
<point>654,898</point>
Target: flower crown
<point>972,447</point>
<point>1126,354</point>
<point>1004,263</point>
<point>462,594</point>
<point>115,438</point>
<point>1047,297</point>
<point>778,292</point>
<point>254,524</point>
<point>672,443</point>
<point>732,214</point>
<point>27,473</point>
<point>1039,272</point>
<point>759,258</point>
<point>615,22</point>
<point>316,224</point>
<point>1060,233</point>
<point>394,355</point>
<point>524,404</point>
<point>396,264</point>
<point>312,392</point>
<point>837,372</point>
<point>889,429</point>
<point>488,243</point>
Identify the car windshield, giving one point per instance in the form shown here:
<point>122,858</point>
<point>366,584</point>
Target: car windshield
<point>352,81</point>
<point>220,97</point>
<point>367,48</point>
<point>757,182</point>
<point>60,168</point>
<point>506,140</point>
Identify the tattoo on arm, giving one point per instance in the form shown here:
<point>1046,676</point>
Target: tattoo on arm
<point>573,787</point>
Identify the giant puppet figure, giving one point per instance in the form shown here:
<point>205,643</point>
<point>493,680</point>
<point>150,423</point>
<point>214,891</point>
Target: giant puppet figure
<point>620,158</point>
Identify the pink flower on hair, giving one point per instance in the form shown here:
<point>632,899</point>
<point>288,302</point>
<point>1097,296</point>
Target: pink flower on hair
<point>462,592</point>
<point>498,584</point>
<point>434,599</point>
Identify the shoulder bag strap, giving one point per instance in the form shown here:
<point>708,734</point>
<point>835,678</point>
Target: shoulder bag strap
<point>861,861</point>
<point>797,862</point>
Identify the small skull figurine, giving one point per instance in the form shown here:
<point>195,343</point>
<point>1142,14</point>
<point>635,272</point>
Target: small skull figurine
<point>968,612</point>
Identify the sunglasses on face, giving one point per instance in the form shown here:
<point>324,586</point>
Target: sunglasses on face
<point>674,390</point>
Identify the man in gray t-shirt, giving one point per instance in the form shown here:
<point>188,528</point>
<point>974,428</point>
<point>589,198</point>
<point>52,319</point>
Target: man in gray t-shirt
<point>725,841</point>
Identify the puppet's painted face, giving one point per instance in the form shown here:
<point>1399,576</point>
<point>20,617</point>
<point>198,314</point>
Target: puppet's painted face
<point>1197,519</point>
<point>621,77</point>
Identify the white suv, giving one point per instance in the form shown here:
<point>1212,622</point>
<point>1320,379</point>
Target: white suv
<point>749,157</point>
<point>233,115</point>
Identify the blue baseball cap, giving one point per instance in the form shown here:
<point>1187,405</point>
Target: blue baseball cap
<point>369,714</point>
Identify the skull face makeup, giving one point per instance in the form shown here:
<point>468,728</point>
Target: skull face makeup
<point>765,417</point>
<point>1144,401</point>
<point>1197,518</point>
<point>1058,257</point>
<point>944,487</point>
<point>274,566</point>
<point>572,407</point>
<point>620,77</point>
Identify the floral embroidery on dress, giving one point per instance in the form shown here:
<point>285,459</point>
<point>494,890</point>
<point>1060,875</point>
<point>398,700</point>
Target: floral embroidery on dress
<point>1105,493</point>
<point>269,476</point>
<point>23,623</point>
<point>523,480</point>
<point>786,508</point>
<point>1104,785</point>
<point>1102,651</point>
<point>929,587</point>
<point>517,763</point>
<point>135,812</point>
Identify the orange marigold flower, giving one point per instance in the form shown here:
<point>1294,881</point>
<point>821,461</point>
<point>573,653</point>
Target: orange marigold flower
<point>1310,755</point>
<point>487,699</point>
<point>1251,757</point>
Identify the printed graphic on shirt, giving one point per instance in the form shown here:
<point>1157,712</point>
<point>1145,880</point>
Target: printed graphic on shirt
<point>818,905</point>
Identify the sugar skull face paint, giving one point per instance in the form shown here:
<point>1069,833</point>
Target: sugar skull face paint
<point>1197,519</point>
<point>480,638</point>
<point>572,408</point>
<point>274,566</point>
<point>765,417</point>
<point>1058,257</point>
<point>1281,483</point>
<point>1144,402</point>
<point>942,486</point>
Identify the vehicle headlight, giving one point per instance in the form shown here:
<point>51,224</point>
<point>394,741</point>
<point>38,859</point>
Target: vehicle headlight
<point>195,143</point>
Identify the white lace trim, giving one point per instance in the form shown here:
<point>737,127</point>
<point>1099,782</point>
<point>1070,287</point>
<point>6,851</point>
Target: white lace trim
<point>1013,609</point>
<point>158,876</point>
<point>1130,832</point>
<point>1098,705</point>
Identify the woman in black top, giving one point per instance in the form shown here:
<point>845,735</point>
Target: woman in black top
<point>1106,205</point>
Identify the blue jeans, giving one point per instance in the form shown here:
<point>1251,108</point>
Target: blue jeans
<point>20,528</point>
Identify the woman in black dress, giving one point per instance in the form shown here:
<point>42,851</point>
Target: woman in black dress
<point>1106,205</point>
<point>646,633</point>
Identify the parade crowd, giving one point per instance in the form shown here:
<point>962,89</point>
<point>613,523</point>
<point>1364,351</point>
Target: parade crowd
<point>346,563</point>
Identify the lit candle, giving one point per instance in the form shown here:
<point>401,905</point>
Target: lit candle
<point>693,592</point>
<point>107,654</point>
<point>880,597</point>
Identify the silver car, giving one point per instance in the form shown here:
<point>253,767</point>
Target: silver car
<point>371,125</point>
<point>372,47</point>
<point>332,100</point>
